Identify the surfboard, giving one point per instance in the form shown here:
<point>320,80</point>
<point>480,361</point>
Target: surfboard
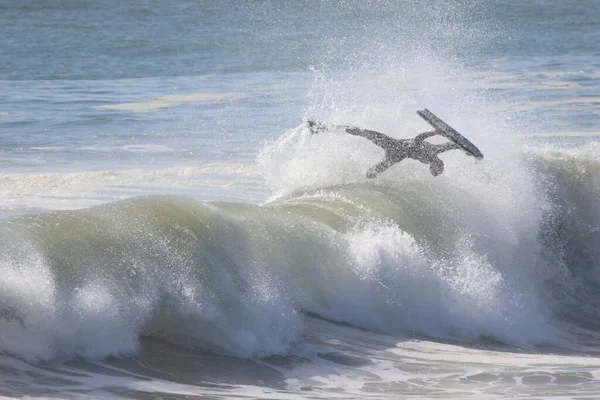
<point>450,133</point>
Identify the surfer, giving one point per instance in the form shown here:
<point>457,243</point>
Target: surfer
<point>397,150</point>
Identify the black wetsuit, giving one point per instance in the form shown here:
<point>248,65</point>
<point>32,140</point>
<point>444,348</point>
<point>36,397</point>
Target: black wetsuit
<point>397,150</point>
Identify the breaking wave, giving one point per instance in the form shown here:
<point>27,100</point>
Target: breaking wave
<point>476,254</point>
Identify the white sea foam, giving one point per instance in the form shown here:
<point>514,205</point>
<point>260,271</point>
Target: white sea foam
<point>173,100</point>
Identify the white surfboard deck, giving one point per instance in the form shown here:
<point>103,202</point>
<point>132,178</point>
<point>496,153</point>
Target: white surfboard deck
<point>450,133</point>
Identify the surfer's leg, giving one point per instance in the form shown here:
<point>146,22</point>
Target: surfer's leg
<point>317,126</point>
<point>378,138</point>
<point>380,167</point>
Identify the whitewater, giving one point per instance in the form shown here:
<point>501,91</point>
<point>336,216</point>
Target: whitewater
<point>170,227</point>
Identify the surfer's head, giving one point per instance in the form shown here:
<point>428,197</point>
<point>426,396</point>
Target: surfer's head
<point>436,166</point>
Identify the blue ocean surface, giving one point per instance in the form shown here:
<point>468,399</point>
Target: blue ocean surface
<point>170,227</point>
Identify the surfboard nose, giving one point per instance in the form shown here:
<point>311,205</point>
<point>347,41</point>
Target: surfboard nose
<point>450,133</point>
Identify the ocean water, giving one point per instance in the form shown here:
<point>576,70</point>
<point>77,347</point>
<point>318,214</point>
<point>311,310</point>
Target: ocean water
<point>169,228</point>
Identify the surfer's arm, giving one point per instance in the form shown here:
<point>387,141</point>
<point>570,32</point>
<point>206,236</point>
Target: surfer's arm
<point>378,138</point>
<point>422,136</point>
<point>440,148</point>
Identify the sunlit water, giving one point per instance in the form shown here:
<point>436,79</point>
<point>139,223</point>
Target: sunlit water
<point>171,228</point>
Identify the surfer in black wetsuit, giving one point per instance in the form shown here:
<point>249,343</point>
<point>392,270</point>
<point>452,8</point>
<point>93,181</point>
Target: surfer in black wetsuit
<point>397,150</point>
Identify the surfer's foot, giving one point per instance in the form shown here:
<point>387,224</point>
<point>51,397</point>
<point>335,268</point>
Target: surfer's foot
<point>316,126</point>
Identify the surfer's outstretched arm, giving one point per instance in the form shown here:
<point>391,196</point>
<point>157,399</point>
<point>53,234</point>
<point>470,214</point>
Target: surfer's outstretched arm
<point>380,167</point>
<point>378,138</point>
<point>422,136</point>
<point>440,148</point>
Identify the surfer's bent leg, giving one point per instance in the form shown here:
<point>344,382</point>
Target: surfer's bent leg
<point>317,126</point>
<point>380,167</point>
<point>378,138</point>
